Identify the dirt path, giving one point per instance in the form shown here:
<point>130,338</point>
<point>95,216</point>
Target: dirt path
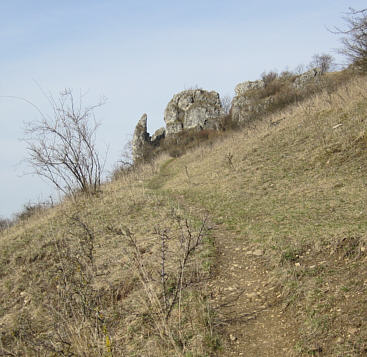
<point>252,315</point>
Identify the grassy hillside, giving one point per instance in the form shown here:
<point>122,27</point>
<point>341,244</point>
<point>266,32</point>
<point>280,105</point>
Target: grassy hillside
<point>251,245</point>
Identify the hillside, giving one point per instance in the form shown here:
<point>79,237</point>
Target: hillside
<point>251,244</point>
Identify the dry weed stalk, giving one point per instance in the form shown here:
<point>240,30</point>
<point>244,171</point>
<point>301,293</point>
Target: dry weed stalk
<point>229,160</point>
<point>72,322</point>
<point>76,295</point>
<point>187,173</point>
<point>189,243</point>
<point>173,276</point>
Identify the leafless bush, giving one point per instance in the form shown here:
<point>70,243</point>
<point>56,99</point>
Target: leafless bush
<point>286,74</point>
<point>178,144</point>
<point>76,301</point>
<point>226,104</point>
<point>354,38</point>
<point>272,84</point>
<point>229,160</point>
<point>5,223</point>
<point>226,122</point>
<point>71,320</point>
<point>125,164</point>
<point>31,209</point>
<point>61,147</point>
<point>323,61</point>
<point>299,69</point>
<point>189,243</point>
<point>269,77</point>
<point>164,290</point>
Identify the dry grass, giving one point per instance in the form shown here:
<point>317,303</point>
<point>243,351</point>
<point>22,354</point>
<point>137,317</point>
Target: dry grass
<point>292,184</point>
<point>295,187</point>
<point>68,285</point>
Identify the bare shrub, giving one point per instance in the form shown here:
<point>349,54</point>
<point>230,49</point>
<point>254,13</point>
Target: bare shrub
<point>229,160</point>
<point>5,223</point>
<point>176,145</point>
<point>272,84</point>
<point>299,69</point>
<point>166,284</point>
<point>176,152</point>
<point>61,147</point>
<point>323,61</point>
<point>77,302</point>
<point>286,74</point>
<point>354,38</point>
<point>269,77</point>
<point>125,164</point>
<point>226,122</point>
<point>281,92</point>
<point>31,209</point>
<point>76,324</point>
<point>226,104</point>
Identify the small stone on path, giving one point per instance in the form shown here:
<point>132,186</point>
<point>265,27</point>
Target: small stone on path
<point>258,252</point>
<point>232,337</point>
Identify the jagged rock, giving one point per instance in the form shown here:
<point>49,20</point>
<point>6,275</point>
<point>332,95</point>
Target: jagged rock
<point>158,136</point>
<point>242,88</point>
<point>245,104</point>
<point>141,138</point>
<point>201,109</point>
<point>192,109</point>
<point>307,77</point>
<point>244,107</point>
<point>239,103</point>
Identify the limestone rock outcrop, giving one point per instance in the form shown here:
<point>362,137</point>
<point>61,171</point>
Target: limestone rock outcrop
<point>244,104</point>
<point>307,77</point>
<point>140,139</point>
<point>192,109</point>
<point>244,87</point>
<point>244,107</point>
<point>253,98</point>
<point>142,143</point>
<point>199,109</point>
<point>158,135</point>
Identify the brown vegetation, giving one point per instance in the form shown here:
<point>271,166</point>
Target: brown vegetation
<point>278,267</point>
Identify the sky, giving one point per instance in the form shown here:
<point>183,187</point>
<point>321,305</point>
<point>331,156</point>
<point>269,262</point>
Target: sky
<point>137,54</point>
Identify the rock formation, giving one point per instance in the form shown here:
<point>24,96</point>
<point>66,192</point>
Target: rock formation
<point>200,109</point>
<point>242,88</point>
<point>192,109</point>
<point>142,142</point>
<point>140,139</point>
<point>249,102</point>
<point>158,135</point>
<point>307,77</point>
<point>244,104</point>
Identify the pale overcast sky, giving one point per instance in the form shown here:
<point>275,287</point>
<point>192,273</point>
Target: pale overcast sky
<point>138,54</point>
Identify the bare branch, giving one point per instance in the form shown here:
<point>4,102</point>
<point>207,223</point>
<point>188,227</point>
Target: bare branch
<point>354,38</point>
<point>62,148</point>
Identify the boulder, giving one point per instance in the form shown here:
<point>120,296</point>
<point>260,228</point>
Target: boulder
<point>244,87</point>
<point>192,109</point>
<point>245,108</point>
<point>245,104</point>
<point>141,139</point>
<point>307,77</point>
<point>158,135</point>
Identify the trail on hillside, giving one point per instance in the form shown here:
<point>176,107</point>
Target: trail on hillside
<point>254,320</point>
